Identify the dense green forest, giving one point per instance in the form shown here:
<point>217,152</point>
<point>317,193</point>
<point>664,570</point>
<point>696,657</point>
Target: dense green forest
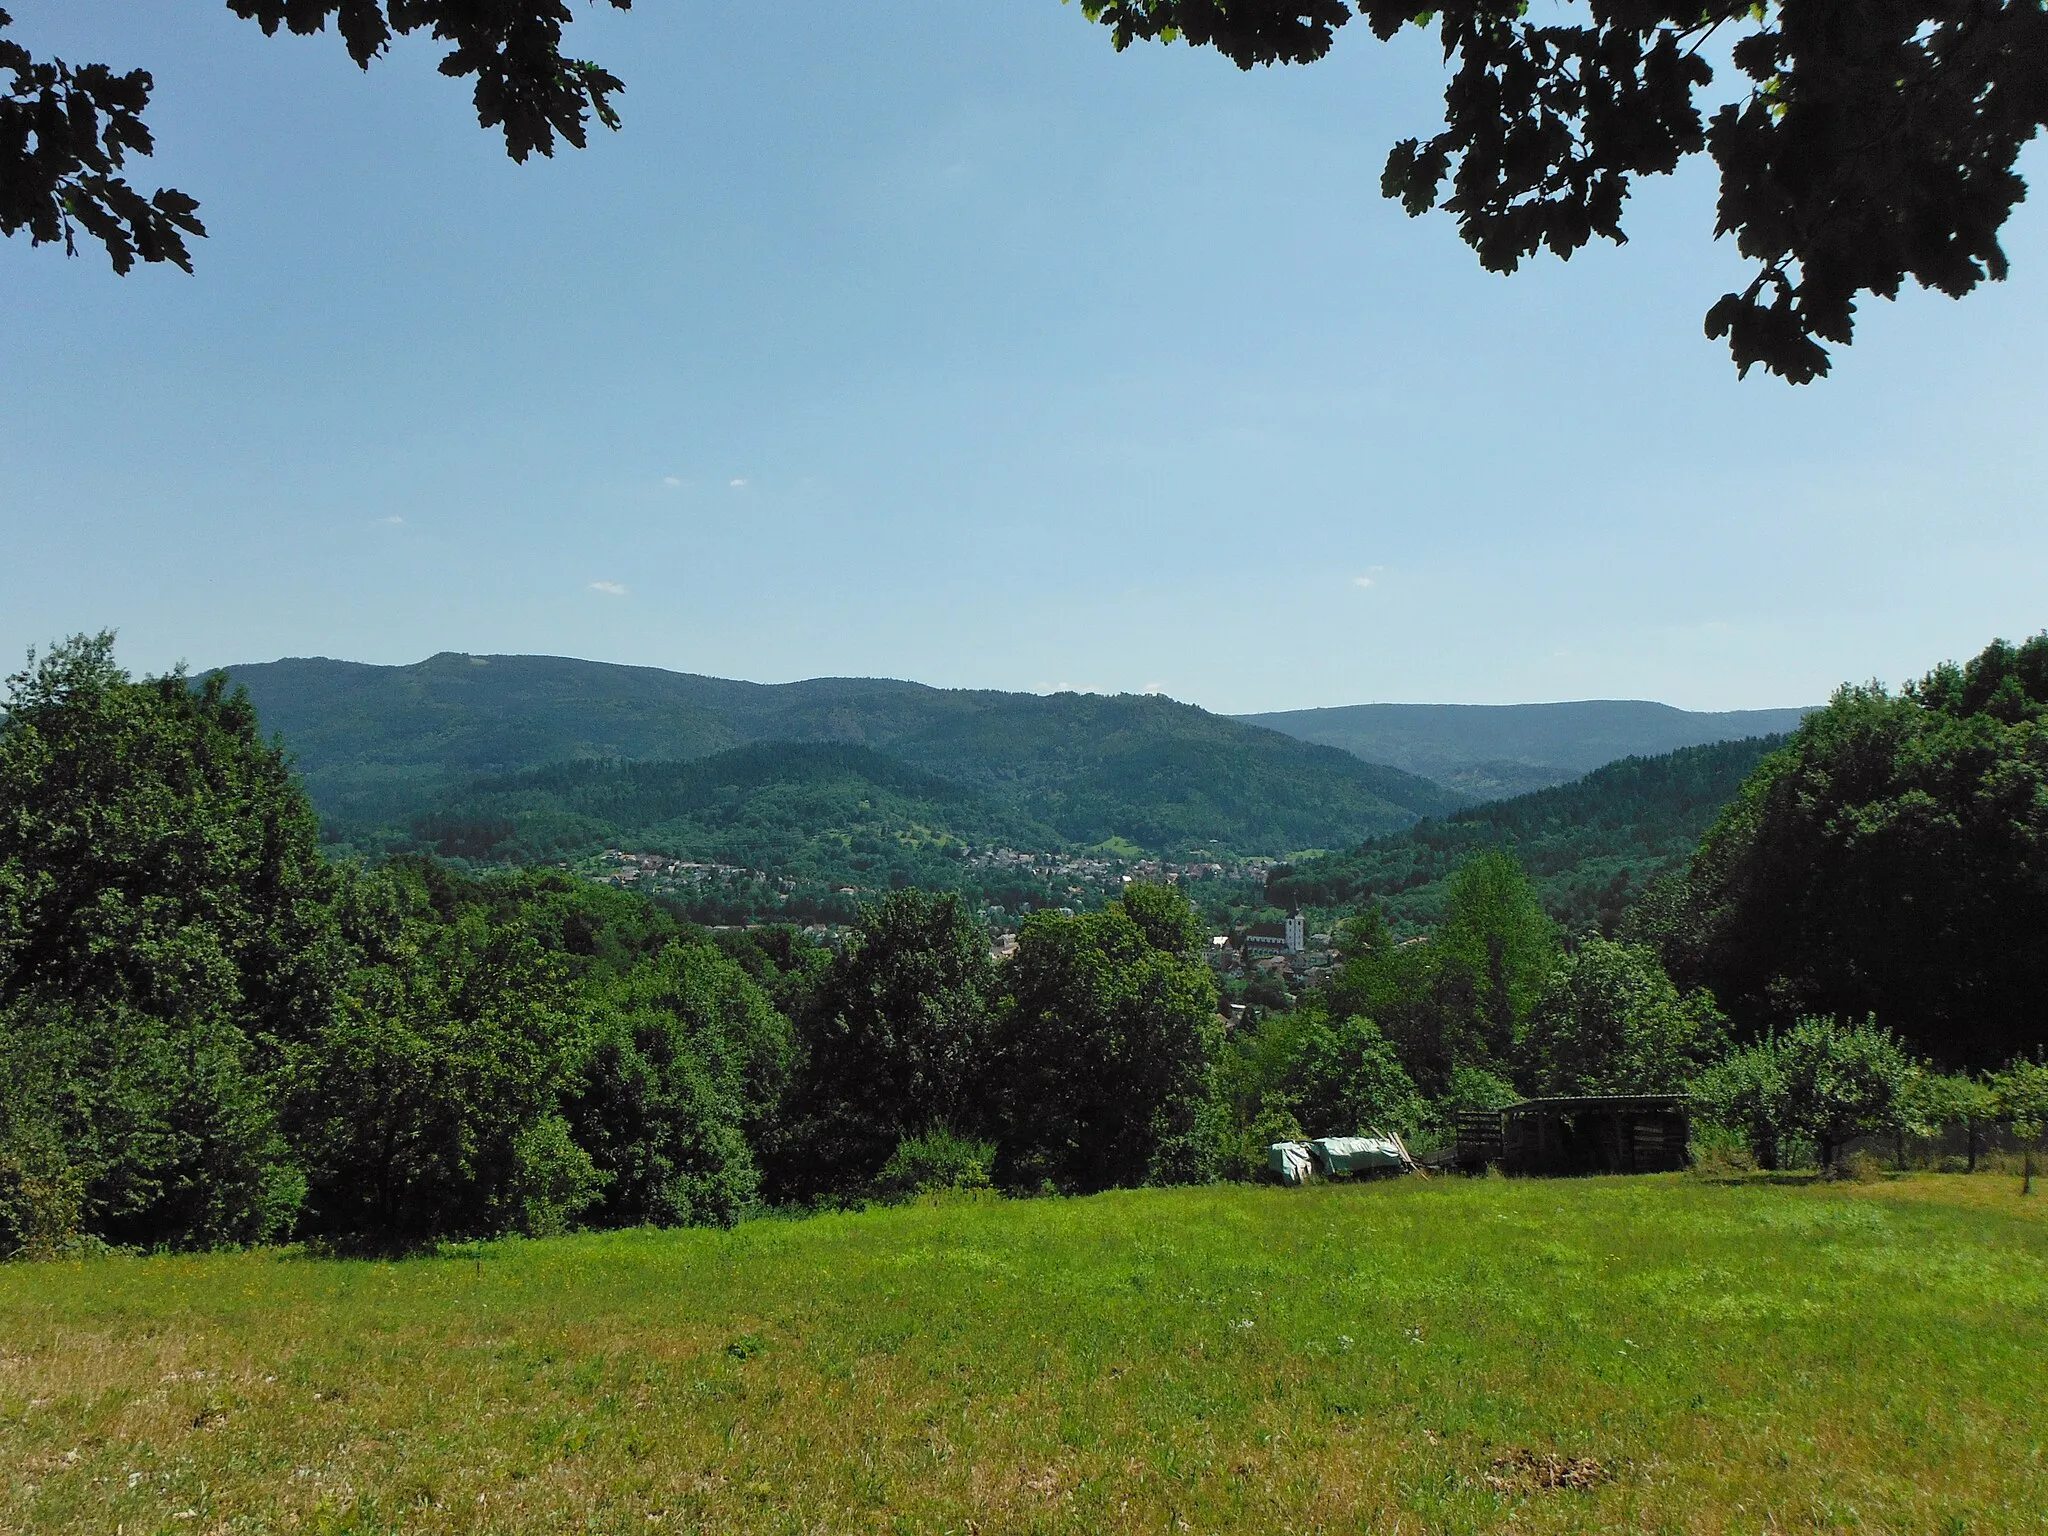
<point>1591,846</point>
<point>380,746</point>
<point>813,812</point>
<point>212,1033</point>
<point>1891,860</point>
<point>1493,751</point>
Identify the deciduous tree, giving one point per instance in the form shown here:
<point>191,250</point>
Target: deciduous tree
<point>1892,859</point>
<point>1105,1048</point>
<point>166,943</point>
<point>2020,1093</point>
<point>683,1066</point>
<point>67,131</point>
<point>1613,1022</point>
<point>895,1042</point>
<point>1820,1081</point>
<point>1865,142</point>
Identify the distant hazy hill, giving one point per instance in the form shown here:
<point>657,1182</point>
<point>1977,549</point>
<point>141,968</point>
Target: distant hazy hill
<point>384,745</point>
<point>1591,846</point>
<point>1494,750</point>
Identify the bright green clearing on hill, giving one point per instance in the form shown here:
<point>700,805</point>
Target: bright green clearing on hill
<point>1403,1357</point>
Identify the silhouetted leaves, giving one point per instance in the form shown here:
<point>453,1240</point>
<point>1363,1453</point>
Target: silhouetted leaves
<point>513,47</point>
<point>66,131</point>
<point>1875,140</point>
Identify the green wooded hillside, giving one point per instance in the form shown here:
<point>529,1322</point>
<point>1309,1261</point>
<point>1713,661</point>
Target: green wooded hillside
<point>1590,846</point>
<point>1492,751</point>
<point>380,746</point>
<point>814,811</point>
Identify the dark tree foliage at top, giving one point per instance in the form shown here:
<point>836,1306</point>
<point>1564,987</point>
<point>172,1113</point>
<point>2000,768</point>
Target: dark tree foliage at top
<point>1871,140</point>
<point>524,84</point>
<point>65,133</point>
<point>1891,860</point>
<point>67,130</point>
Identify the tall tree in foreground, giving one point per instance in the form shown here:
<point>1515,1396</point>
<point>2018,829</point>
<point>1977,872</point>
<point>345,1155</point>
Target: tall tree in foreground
<point>1865,141</point>
<point>1106,1042</point>
<point>167,941</point>
<point>895,1043</point>
<point>1891,860</point>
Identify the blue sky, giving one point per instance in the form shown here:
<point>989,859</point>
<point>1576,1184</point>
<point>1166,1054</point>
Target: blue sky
<point>936,340</point>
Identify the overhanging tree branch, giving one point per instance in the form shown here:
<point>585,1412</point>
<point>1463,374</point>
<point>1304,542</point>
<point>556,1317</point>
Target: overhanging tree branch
<point>66,131</point>
<point>1878,143</point>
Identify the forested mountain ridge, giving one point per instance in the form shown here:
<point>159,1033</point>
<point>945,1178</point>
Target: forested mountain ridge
<point>1590,846</point>
<point>380,746</point>
<point>1492,751</point>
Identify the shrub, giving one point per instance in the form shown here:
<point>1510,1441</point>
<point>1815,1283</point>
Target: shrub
<point>1859,1167</point>
<point>553,1180</point>
<point>684,1062</point>
<point>1720,1150</point>
<point>936,1162</point>
<point>1272,1124</point>
<point>42,1200</point>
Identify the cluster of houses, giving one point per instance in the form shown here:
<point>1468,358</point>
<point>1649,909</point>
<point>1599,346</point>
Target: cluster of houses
<point>1106,872</point>
<point>1285,950</point>
<point>654,872</point>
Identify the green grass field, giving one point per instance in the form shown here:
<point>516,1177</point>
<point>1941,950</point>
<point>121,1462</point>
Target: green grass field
<point>1652,1354</point>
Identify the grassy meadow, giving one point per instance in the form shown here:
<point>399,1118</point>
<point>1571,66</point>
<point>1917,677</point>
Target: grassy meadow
<point>1650,1354</point>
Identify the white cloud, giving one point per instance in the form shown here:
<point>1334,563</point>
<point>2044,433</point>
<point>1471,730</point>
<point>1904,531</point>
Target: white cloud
<point>737,484</point>
<point>394,519</point>
<point>609,588</point>
<point>671,481</point>
<point>1361,581</point>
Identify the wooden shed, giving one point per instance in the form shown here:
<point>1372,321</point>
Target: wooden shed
<point>1603,1133</point>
